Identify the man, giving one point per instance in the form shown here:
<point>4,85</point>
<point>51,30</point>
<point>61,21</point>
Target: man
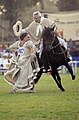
<point>36,27</point>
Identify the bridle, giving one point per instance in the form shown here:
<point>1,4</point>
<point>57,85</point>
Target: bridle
<point>51,47</point>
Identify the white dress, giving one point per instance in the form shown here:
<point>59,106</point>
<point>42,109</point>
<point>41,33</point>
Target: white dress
<point>20,73</point>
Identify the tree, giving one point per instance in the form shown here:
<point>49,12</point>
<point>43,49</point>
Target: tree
<point>14,7</point>
<point>68,5</point>
<point>13,10</point>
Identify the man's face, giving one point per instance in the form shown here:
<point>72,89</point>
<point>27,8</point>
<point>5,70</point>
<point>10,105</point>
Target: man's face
<point>37,18</point>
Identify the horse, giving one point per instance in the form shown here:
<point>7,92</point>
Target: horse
<point>54,55</point>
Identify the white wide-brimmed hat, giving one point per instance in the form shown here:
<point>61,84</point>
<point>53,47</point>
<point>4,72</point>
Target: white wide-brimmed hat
<point>17,28</point>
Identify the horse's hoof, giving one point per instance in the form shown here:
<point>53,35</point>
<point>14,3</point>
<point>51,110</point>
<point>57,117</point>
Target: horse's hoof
<point>73,77</point>
<point>63,90</point>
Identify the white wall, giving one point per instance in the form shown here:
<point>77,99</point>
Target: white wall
<point>68,22</point>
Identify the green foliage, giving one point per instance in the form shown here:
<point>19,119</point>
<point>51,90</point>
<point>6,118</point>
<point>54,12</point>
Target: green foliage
<point>48,103</point>
<point>15,7</point>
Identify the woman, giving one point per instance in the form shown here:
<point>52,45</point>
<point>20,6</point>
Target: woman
<point>24,66</point>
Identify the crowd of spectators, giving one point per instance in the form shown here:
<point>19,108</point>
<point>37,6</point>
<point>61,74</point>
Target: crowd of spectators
<point>4,51</point>
<point>73,47</point>
<point>5,55</point>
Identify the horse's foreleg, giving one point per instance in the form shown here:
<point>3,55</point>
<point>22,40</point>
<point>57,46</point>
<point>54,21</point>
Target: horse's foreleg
<point>70,70</point>
<point>57,80</point>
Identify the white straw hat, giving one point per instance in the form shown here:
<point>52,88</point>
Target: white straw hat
<point>17,28</point>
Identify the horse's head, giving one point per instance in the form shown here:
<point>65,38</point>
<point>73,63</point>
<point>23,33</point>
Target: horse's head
<point>48,33</point>
<point>48,37</point>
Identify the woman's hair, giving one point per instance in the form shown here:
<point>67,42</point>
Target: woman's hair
<point>23,35</point>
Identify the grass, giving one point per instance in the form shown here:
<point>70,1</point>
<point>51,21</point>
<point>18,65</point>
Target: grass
<point>48,103</point>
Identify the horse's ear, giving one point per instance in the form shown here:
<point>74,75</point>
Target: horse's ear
<point>53,28</point>
<point>44,27</point>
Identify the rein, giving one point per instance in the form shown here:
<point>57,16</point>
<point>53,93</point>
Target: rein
<point>60,52</point>
<point>53,47</point>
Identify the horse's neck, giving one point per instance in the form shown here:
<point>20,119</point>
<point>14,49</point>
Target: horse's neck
<point>56,41</point>
<point>59,48</point>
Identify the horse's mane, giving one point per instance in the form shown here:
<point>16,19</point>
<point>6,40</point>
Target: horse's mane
<point>46,31</point>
